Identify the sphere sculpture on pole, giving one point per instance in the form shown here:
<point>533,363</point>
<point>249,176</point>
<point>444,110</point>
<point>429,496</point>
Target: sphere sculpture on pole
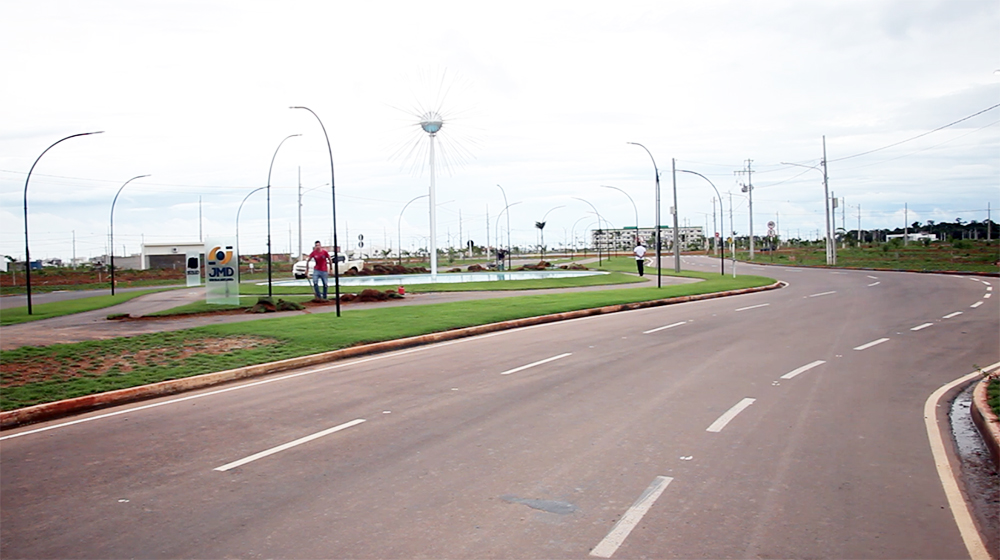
<point>431,122</point>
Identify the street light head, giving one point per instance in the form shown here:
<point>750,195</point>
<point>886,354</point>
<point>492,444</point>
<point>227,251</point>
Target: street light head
<point>431,122</point>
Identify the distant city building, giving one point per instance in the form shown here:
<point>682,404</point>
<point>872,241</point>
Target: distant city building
<point>690,238</point>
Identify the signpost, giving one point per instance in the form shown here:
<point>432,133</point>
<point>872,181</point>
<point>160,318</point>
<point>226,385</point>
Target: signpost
<point>192,261</point>
<point>221,286</point>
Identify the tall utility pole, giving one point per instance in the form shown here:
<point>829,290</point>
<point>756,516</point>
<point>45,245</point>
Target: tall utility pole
<point>748,188</point>
<point>732,233</point>
<point>677,241</point>
<point>831,247</point>
<point>843,219</point>
<point>715,227</point>
<point>299,254</point>
<point>859,225</point>
<point>906,224</point>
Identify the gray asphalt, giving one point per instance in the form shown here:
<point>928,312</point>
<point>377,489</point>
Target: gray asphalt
<point>534,443</point>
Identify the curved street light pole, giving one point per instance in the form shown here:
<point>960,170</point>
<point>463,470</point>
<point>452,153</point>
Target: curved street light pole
<point>572,232</point>
<point>656,171</point>
<point>723,255</point>
<point>634,209</point>
<point>333,195</point>
<point>542,229</point>
<point>113,230</point>
<point>238,210</point>
<point>599,217</point>
<point>508,224</point>
<point>269,293</point>
<point>27,252</point>
<point>831,247</point>
<point>399,224</point>
<point>500,215</point>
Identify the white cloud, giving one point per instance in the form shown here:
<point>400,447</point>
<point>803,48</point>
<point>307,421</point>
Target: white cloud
<point>545,97</point>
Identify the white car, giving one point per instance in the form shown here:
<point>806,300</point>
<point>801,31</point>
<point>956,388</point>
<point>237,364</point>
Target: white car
<point>304,269</point>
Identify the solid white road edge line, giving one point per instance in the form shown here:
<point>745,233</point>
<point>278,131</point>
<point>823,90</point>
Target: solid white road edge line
<point>921,327</point>
<point>729,415</point>
<point>959,508</point>
<point>288,445</point>
<point>950,315</point>
<point>610,543</point>
<point>753,306</point>
<point>666,327</point>
<point>538,363</point>
<point>870,344</point>
<point>802,369</point>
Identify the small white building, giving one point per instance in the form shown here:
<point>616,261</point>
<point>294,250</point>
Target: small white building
<point>912,236</point>
<point>168,255</point>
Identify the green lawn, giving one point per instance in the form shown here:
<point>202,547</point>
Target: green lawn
<point>962,256</point>
<point>16,315</point>
<point>90,367</point>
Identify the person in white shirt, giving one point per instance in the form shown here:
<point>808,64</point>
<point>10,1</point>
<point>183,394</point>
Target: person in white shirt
<point>640,256</point>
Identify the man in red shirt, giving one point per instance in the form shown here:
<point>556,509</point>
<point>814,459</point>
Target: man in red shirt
<point>321,270</point>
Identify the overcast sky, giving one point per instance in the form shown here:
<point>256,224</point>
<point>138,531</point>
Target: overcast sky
<point>539,97</point>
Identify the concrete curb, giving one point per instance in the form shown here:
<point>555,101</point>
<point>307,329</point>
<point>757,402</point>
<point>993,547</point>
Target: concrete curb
<point>78,405</point>
<point>987,422</point>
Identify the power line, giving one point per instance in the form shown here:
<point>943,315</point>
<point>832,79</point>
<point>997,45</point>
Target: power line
<point>918,136</point>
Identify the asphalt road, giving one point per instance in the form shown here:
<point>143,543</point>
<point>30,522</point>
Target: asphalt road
<point>787,423</point>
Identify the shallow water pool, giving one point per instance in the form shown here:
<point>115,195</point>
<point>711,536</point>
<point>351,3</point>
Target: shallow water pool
<point>444,278</point>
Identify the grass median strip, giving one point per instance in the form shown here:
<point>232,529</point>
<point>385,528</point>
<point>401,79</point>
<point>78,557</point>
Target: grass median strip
<point>72,370</point>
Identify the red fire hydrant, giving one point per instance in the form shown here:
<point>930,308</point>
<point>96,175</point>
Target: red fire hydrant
<point>401,291</point>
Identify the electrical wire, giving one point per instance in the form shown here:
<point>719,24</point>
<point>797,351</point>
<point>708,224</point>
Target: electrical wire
<point>917,136</point>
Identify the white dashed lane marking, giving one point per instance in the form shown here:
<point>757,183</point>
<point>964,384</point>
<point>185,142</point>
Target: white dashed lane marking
<point>802,369</point>
<point>872,343</point>
<point>632,517</point>
<point>538,363</point>
<point>288,445</point>
<point>726,418</point>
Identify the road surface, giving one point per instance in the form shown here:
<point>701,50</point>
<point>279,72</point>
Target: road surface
<point>787,423</point>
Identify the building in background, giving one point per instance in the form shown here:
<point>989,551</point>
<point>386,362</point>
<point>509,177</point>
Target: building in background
<point>167,255</point>
<point>690,238</point>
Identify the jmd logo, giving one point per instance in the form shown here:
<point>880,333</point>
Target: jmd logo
<point>217,257</point>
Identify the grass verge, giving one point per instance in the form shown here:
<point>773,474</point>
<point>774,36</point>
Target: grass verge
<point>84,368</point>
<point>14,315</point>
<point>993,395</point>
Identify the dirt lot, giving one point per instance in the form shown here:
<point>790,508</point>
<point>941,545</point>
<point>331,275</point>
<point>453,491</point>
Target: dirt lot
<point>97,363</point>
<point>69,277</point>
